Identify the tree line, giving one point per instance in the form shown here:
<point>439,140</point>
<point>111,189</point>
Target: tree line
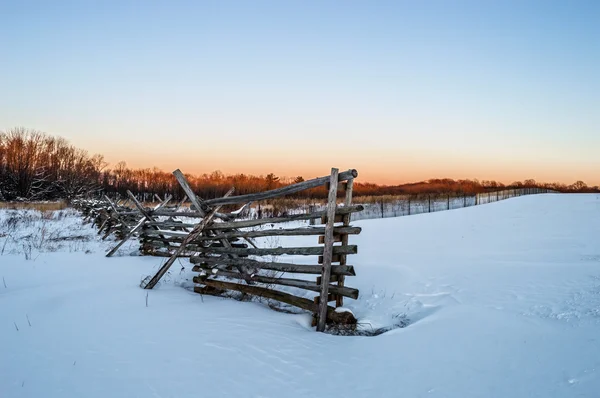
<point>38,166</point>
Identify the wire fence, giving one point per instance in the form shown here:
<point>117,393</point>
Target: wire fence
<point>432,203</point>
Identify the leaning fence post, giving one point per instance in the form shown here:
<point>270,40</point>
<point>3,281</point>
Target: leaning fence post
<point>328,250</point>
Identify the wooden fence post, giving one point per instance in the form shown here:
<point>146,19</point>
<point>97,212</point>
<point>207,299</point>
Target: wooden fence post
<point>328,250</point>
<point>346,219</point>
<point>196,202</point>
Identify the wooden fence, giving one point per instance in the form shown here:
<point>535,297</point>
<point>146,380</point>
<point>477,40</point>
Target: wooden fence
<point>220,244</point>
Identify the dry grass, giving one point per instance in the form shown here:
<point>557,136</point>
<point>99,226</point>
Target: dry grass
<point>40,206</point>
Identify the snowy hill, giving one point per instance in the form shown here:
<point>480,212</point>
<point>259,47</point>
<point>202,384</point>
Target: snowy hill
<point>501,300</point>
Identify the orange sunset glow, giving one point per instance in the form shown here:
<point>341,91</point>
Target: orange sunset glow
<point>387,167</point>
<point>437,96</point>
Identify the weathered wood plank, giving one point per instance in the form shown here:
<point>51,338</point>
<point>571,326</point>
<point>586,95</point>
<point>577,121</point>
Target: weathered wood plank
<point>337,231</point>
<point>347,270</point>
<point>164,232</point>
<point>334,259</point>
<point>279,251</point>
<point>347,202</point>
<point>276,220</point>
<point>106,221</point>
<point>337,218</point>
<point>336,238</point>
<point>200,204</point>
<point>175,242</point>
<point>287,190</point>
<point>341,186</point>
<point>306,304</point>
<point>330,298</point>
<point>328,250</point>
<point>238,251</point>
<point>332,278</point>
<point>112,205</point>
<point>257,222</point>
<point>168,253</point>
<point>299,283</point>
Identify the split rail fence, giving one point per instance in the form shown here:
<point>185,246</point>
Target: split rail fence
<point>225,250</point>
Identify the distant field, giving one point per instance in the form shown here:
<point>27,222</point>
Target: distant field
<point>41,206</point>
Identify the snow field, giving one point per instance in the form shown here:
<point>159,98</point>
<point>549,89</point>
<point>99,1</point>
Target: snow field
<point>501,300</point>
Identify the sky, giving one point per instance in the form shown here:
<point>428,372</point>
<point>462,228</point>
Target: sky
<point>399,90</point>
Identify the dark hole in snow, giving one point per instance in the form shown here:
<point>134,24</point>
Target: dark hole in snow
<point>365,329</point>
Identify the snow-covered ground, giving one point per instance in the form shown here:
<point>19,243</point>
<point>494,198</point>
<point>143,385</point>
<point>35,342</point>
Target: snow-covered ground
<point>502,300</point>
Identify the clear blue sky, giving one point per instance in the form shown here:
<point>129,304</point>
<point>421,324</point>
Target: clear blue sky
<point>400,90</point>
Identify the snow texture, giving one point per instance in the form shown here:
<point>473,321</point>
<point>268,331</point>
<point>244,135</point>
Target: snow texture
<point>500,300</point>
